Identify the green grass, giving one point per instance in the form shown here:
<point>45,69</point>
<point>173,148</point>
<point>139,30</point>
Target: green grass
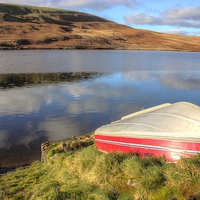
<point>80,171</point>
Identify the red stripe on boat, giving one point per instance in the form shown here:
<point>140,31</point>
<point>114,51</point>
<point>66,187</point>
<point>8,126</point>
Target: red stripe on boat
<point>171,149</point>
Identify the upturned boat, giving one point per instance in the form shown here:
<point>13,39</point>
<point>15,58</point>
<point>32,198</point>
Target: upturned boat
<point>169,130</point>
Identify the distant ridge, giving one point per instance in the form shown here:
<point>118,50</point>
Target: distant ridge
<point>31,27</point>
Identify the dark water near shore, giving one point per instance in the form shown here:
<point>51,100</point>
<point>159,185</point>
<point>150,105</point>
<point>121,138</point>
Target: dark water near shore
<point>52,95</point>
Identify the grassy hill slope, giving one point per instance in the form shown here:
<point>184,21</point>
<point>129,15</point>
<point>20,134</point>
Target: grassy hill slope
<point>29,27</point>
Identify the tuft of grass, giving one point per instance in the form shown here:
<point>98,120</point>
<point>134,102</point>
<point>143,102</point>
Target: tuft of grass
<point>185,176</point>
<point>79,171</point>
<point>146,174</point>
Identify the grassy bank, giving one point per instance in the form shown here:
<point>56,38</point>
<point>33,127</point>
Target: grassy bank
<point>75,169</point>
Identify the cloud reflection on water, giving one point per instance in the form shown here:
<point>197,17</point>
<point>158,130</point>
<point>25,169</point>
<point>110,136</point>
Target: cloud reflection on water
<point>183,81</point>
<point>4,139</point>
<point>62,109</point>
<point>22,100</point>
<point>186,80</point>
<point>58,110</point>
<point>51,99</point>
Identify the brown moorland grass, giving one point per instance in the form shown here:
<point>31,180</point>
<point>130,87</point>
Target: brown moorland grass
<point>30,27</point>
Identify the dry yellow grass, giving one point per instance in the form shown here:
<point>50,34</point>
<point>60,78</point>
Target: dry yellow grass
<point>26,27</point>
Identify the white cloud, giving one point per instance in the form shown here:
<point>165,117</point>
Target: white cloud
<point>89,106</point>
<point>181,81</point>
<point>93,100</point>
<point>177,31</point>
<point>60,128</point>
<point>27,100</point>
<point>178,17</point>
<point>76,4</point>
<point>21,101</point>
<point>25,2</point>
<point>84,99</point>
<point>184,13</point>
<point>140,18</point>
<point>98,4</point>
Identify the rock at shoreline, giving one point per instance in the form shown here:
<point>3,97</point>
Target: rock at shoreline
<point>69,144</point>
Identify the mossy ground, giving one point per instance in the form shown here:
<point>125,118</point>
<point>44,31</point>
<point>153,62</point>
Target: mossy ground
<point>80,171</point>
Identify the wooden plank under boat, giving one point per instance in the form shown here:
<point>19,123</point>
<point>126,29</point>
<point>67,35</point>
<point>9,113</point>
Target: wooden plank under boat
<point>169,130</point>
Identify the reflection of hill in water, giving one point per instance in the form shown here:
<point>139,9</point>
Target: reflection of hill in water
<point>19,80</point>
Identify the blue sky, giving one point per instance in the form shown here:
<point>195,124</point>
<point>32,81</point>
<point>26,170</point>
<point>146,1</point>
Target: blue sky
<point>168,16</point>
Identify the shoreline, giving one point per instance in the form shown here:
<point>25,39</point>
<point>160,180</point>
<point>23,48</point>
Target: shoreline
<point>74,167</point>
<point>96,48</point>
<point>18,159</point>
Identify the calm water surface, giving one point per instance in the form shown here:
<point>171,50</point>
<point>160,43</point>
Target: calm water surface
<point>52,95</point>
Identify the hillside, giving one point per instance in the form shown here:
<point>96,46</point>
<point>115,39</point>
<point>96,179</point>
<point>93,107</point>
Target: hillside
<point>29,27</point>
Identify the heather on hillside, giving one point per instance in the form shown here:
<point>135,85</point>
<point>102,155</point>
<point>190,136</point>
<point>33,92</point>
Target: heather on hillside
<point>31,27</point>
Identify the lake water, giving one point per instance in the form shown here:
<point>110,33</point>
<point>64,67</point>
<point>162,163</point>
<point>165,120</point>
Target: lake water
<point>52,95</point>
